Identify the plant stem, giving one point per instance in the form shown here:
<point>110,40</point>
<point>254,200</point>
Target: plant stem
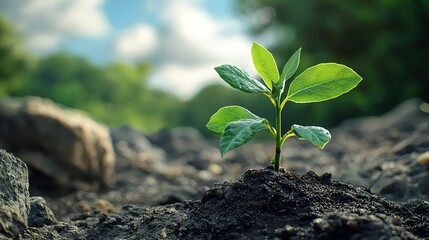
<point>278,135</point>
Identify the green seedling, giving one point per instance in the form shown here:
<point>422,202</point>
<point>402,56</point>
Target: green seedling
<point>321,82</point>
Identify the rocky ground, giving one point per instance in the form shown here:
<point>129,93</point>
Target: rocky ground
<point>371,181</point>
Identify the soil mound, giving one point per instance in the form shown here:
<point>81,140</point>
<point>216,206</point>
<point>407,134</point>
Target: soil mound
<point>262,204</point>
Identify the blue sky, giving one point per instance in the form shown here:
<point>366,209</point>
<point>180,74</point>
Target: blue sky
<point>184,38</point>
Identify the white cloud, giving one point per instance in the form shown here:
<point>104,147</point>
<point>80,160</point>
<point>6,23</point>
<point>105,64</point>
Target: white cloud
<point>183,80</point>
<point>191,43</point>
<point>184,40</point>
<point>136,42</point>
<point>46,23</point>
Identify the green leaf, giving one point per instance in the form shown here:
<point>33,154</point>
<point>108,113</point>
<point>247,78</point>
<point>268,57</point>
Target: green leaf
<point>225,115</point>
<point>322,82</point>
<point>288,71</point>
<point>265,64</point>
<point>291,66</point>
<point>316,135</point>
<point>240,79</point>
<point>240,132</point>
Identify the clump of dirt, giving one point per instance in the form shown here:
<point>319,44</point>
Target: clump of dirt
<point>262,204</point>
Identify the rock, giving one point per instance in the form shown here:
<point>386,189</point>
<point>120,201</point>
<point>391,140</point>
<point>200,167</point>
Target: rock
<point>396,119</point>
<point>133,148</point>
<point>179,140</point>
<point>423,159</point>
<point>40,214</point>
<point>68,147</point>
<point>104,206</point>
<point>353,226</point>
<point>14,195</point>
<point>187,143</point>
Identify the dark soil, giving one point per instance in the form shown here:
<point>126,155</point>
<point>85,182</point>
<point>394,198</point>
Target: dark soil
<point>174,185</point>
<point>263,204</point>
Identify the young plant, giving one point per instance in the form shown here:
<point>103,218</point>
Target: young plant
<point>321,82</point>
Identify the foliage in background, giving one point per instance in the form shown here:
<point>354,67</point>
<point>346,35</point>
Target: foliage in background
<point>385,41</point>
<point>14,61</point>
<point>115,94</point>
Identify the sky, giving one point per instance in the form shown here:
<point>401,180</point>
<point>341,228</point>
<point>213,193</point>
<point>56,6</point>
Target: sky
<point>185,39</point>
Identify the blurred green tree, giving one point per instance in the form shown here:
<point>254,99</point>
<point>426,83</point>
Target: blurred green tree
<point>114,94</point>
<point>384,41</point>
<point>15,62</point>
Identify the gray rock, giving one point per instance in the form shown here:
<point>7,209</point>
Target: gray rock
<point>40,213</point>
<point>62,144</point>
<point>186,145</point>
<point>14,195</point>
<point>178,141</point>
<point>396,119</point>
<point>377,226</point>
<point>133,148</point>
